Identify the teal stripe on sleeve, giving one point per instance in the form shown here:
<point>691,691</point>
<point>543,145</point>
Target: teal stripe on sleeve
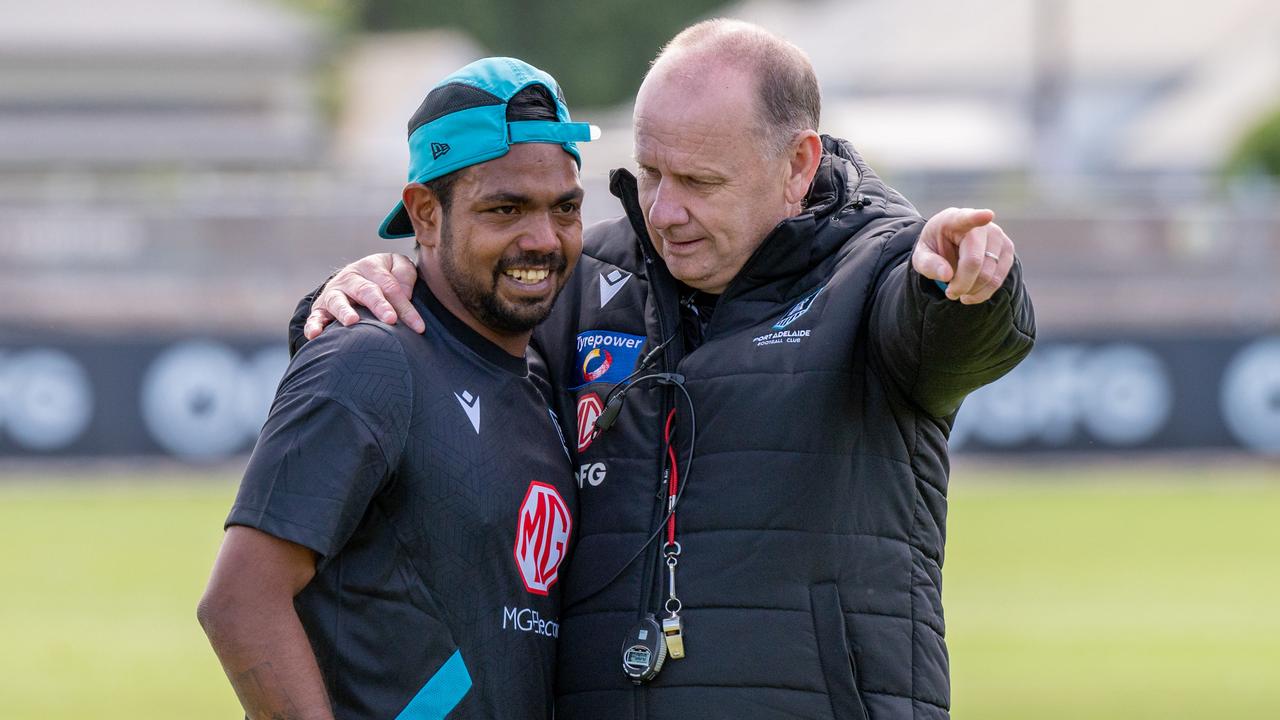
<point>442,693</point>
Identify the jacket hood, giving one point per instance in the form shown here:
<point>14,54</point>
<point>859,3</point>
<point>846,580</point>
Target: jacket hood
<point>845,200</point>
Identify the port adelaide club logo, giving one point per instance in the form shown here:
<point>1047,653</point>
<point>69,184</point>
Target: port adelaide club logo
<point>781,332</point>
<point>542,536</point>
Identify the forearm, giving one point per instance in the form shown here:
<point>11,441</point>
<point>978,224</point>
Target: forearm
<point>938,350</point>
<point>268,659</point>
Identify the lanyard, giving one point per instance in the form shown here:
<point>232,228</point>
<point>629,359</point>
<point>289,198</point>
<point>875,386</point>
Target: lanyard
<point>673,484</point>
<point>651,642</point>
<point>672,626</point>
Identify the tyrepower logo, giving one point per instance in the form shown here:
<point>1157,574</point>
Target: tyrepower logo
<point>597,363</point>
<point>589,408</point>
<point>542,536</point>
<point>606,356</point>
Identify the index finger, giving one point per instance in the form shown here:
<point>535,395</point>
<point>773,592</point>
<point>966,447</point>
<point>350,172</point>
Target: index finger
<point>335,302</point>
<point>961,221</point>
<point>316,322</point>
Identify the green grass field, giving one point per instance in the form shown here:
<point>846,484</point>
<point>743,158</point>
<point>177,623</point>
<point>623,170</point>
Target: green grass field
<point>1082,593</point>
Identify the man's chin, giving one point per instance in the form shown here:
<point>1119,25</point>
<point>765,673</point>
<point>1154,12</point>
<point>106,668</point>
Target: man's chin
<point>698,278</point>
<point>519,317</point>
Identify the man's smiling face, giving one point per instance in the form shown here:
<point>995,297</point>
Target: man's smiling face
<point>512,234</point>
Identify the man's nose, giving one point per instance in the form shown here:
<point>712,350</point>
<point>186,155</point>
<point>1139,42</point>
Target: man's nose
<point>667,209</point>
<point>540,235</point>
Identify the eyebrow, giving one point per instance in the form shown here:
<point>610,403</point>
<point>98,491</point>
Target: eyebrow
<point>511,198</point>
<point>703,171</point>
<point>575,194</point>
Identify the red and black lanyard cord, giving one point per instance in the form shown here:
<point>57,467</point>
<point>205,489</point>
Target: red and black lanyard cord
<point>673,480</point>
<point>672,548</point>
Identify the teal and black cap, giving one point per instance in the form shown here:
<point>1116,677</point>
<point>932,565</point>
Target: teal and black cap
<point>463,122</point>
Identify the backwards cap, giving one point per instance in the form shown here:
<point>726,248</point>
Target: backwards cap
<point>463,122</point>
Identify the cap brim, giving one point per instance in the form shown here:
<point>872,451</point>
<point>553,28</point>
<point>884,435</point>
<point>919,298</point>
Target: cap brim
<point>396,224</point>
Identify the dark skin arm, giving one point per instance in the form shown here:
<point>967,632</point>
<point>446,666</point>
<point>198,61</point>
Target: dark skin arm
<point>247,612</point>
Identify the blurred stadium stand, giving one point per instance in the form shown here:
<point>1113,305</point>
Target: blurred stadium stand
<point>172,174</point>
<point>134,83</point>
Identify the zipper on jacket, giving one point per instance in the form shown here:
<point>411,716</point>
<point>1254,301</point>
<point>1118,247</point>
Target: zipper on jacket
<point>653,555</point>
<point>622,184</point>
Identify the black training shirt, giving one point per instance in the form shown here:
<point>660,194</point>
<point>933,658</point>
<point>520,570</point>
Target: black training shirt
<point>429,476</point>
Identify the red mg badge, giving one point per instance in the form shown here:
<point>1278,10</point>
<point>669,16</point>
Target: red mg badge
<point>542,536</point>
<point>589,408</point>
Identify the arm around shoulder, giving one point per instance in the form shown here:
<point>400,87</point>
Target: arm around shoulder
<point>382,283</point>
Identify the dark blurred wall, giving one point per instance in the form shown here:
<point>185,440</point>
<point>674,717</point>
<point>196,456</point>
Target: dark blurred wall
<point>203,397</point>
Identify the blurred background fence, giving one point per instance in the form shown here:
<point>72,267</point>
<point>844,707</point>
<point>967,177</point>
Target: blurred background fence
<point>171,182</point>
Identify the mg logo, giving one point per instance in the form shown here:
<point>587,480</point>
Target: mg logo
<point>542,536</point>
<point>589,408</point>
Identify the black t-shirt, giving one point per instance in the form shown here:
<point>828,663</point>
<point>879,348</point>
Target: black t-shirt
<point>429,475</point>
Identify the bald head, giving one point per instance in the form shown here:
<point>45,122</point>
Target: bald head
<point>787,97</point>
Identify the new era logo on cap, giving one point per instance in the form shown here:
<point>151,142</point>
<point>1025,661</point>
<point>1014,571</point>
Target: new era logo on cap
<point>438,149</point>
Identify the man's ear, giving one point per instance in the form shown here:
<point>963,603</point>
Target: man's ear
<point>425,212</point>
<point>804,157</point>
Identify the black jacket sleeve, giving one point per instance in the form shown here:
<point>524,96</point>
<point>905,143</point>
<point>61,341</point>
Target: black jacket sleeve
<point>936,350</point>
<point>299,319</point>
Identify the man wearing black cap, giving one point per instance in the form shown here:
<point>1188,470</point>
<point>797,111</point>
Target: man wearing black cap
<point>395,546</point>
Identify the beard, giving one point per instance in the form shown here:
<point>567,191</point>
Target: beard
<point>480,294</point>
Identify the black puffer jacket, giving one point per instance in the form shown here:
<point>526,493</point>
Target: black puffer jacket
<point>813,520</point>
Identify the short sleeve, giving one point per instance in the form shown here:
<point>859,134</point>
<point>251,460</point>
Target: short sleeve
<point>332,441</point>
